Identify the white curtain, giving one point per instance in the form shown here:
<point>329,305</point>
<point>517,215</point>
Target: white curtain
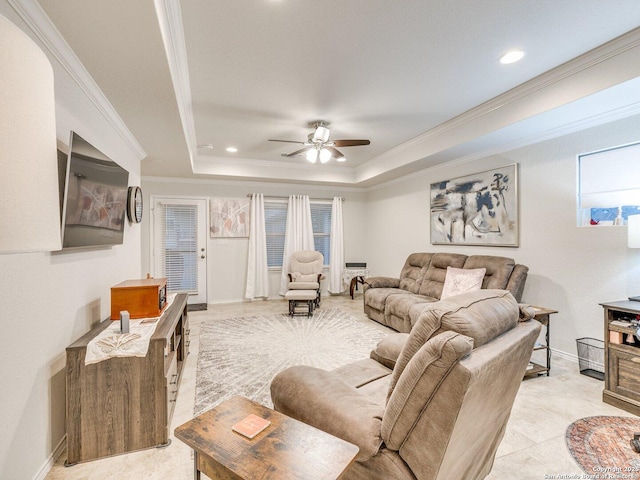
<point>337,247</point>
<point>298,235</point>
<point>257,269</point>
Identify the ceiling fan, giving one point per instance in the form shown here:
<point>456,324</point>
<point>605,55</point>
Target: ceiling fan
<point>319,147</point>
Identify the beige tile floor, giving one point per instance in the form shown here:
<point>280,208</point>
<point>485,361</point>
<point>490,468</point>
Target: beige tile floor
<point>533,446</point>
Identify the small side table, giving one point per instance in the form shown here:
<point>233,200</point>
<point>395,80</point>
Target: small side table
<point>542,315</point>
<point>285,449</point>
<point>353,276</point>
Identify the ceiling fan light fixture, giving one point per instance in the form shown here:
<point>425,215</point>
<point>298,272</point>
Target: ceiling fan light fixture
<point>325,155</point>
<point>312,155</point>
<point>321,134</point>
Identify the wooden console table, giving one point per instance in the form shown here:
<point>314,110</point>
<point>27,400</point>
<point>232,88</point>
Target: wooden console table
<point>285,449</point>
<point>124,404</point>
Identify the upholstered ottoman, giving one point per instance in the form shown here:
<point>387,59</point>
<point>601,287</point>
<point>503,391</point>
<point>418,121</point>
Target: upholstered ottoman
<point>301,298</point>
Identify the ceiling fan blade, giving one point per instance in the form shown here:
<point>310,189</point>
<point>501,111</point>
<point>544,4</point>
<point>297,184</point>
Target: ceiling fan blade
<point>296,153</point>
<point>335,153</point>
<point>287,141</point>
<point>350,143</point>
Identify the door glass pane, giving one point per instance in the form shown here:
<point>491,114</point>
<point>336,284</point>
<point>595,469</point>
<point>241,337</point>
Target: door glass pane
<point>179,247</point>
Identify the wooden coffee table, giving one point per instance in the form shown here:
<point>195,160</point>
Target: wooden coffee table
<point>286,449</point>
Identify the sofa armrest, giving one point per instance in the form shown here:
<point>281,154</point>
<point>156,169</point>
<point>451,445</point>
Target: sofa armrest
<point>388,349</point>
<point>320,399</point>
<point>381,282</point>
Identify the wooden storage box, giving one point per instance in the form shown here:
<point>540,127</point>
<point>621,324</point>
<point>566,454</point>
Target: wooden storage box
<point>141,298</point>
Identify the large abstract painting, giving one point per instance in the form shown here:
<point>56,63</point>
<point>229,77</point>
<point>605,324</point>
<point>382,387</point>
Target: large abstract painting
<point>229,217</point>
<point>478,209</point>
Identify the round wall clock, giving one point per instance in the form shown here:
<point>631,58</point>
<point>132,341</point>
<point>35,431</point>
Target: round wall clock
<point>134,204</point>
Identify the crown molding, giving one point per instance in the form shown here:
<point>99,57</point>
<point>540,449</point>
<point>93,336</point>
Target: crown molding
<point>251,183</point>
<point>603,53</point>
<point>549,134</point>
<point>39,23</point>
<point>172,31</point>
<point>252,162</point>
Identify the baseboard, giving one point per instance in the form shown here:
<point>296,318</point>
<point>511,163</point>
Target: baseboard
<point>48,465</point>
<point>195,307</point>
<point>567,356</point>
<point>242,300</point>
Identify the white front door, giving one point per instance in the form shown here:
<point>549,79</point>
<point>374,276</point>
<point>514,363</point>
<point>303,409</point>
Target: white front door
<point>179,245</point>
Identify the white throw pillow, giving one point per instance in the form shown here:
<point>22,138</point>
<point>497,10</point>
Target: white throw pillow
<point>460,280</point>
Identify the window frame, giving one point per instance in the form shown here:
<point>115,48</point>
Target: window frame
<point>276,204</point>
<point>607,181</point>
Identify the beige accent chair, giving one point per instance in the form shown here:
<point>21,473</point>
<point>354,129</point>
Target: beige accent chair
<point>439,407</point>
<point>305,273</point>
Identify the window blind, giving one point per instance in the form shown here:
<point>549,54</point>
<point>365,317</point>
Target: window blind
<point>275,219</point>
<point>321,221</point>
<point>178,252</point>
<point>609,178</point>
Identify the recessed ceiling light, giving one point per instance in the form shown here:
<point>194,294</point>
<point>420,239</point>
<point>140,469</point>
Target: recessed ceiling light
<point>511,57</point>
<point>208,146</point>
<point>232,149</point>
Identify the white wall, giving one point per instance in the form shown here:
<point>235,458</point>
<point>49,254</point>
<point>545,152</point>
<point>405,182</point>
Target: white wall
<point>571,269</point>
<point>227,257</point>
<point>50,300</point>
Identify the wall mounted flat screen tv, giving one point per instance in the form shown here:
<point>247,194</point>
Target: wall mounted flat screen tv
<point>95,197</point>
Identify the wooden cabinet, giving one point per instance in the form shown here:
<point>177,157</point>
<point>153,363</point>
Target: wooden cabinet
<point>622,356</point>
<point>124,404</point>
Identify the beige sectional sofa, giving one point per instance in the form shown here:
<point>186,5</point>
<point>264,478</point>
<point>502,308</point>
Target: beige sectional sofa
<point>397,302</point>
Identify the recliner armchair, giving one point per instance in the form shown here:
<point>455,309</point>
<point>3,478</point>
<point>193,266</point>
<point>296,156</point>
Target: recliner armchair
<point>438,406</point>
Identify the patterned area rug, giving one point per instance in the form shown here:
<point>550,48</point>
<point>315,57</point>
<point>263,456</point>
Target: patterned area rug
<point>600,445</point>
<point>240,356</point>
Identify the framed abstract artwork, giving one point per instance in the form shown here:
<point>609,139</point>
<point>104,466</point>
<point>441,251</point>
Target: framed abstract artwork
<point>229,217</point>
<point>477,209</point>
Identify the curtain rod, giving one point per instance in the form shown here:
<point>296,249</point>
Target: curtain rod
<point>282,197</point>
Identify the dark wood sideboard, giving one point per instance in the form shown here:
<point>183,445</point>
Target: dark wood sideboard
<point>125,404</point>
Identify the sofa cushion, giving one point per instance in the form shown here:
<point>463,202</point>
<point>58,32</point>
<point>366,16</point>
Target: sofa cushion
<point>303,285</point>
<point>306,262</point>
<point>396,311</point>
<point>419,383</point>
<point>462,280</point>
<point>361,372</point>
<point>413,271</point>
<point>498,269</point>
<point>388,349</point>
<point>481,315</point>
<point>377,297</point>
<point>301,277</point>
<point>436,273</point>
